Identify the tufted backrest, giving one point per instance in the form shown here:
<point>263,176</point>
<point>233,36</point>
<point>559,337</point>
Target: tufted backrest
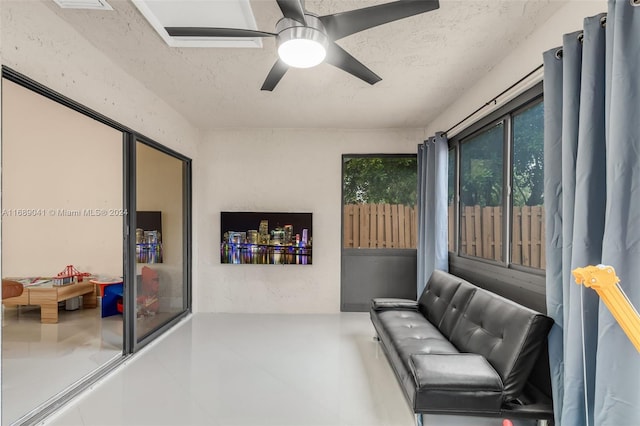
<point>443,300</point>
<point>507,334</point>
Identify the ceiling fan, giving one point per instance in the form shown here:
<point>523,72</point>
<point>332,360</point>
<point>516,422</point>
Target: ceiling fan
<point>305,40</point>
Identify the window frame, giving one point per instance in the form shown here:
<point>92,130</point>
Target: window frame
<point>506,128</point>
<point>505,115</point>
<point>382,251</point>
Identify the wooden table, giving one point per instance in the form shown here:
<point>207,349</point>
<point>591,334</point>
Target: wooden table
<point>47,296</point>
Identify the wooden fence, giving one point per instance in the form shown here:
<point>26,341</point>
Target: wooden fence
<point>481,234</point>
<point>379,226</point>
<point>395,226</point>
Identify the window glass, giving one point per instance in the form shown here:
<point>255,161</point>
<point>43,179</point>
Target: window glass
<point>451,186</point>
<point>481,183</point>
<point>160,226</point>
<point>527,235</point>
<point>379,201</point>
<point>62,204</point>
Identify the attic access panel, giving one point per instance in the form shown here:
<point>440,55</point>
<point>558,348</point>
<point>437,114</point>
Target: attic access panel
<point>213,13</point>
<point>84,4</point>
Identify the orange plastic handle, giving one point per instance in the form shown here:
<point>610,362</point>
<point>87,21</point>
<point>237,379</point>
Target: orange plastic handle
<point>604,281</point>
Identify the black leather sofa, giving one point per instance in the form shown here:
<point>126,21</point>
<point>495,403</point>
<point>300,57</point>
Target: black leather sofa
<point>463,350</point>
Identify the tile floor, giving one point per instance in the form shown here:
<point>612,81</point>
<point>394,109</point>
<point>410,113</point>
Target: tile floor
<point>40,360</point>
<point>255,370</point>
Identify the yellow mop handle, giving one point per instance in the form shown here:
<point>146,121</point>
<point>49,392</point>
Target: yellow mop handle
<point>603,280</point>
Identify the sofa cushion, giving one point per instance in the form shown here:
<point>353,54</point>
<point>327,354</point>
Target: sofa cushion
<point>456,383</point>
<point>443,300</point>
<point>410,333</point>
<point>383,303</point>
<point>508,335</point>
<point>404,325</point>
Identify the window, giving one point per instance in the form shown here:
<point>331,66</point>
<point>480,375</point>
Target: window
<point>379,201</point>
<point>481,187</point>
<point>527,215</point>
<point>500,185</point>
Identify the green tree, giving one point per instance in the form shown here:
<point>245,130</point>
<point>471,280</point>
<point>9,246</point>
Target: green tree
<point>528,157</point>
<point>481,168</point>
<point>390,180</point>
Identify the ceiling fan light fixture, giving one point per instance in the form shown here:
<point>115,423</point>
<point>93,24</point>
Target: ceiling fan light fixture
<point>305,39</point>
<point>301,46</point>
<point>302,53</point>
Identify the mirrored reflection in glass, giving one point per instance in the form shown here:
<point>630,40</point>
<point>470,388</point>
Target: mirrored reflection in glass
<point>159,239</point>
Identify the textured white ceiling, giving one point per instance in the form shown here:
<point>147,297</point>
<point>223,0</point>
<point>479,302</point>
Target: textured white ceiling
<point>425,62</point>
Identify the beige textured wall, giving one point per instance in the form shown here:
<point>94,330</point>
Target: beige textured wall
<point>61,172</point>
<point>288,170</point>
<point>159,188</point>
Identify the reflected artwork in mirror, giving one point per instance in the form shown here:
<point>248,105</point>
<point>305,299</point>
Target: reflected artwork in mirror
<point>262,238</point>
<point>149,237</point>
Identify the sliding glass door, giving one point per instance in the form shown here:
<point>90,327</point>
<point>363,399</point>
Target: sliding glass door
<point>95,246</point>
<point>62,213</point>
<point>161,246</point>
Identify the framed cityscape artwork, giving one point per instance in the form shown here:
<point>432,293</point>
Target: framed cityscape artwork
<point>266,238</point>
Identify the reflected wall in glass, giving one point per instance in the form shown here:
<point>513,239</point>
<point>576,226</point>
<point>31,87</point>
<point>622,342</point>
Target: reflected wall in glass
<point>159,285</point>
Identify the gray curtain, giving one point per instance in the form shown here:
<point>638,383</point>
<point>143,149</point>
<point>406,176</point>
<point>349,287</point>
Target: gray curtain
<point>592,206</point>
<point>432,208</point>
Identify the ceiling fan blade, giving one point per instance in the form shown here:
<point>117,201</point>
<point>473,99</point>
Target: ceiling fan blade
<point>340,58</point>
<point>340,25</point>
<point>292,9</point>
<point>275,75</point>
<point>215,32</point>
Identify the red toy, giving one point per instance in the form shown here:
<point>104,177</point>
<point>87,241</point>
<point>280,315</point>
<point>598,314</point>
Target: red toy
<point>69,275</point>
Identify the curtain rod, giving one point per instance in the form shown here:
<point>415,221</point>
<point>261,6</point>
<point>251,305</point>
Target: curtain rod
<point>494,99</point>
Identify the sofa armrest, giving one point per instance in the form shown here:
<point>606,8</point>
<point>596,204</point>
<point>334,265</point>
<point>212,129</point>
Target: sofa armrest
<point>462,382</point>
<point>385,303</point>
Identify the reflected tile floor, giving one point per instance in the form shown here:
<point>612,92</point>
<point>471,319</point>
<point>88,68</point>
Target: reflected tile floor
<point>255,370</point>
<point>40,360</point>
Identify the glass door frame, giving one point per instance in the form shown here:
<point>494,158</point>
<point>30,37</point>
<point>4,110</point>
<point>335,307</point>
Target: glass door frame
<point>131,343</point>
